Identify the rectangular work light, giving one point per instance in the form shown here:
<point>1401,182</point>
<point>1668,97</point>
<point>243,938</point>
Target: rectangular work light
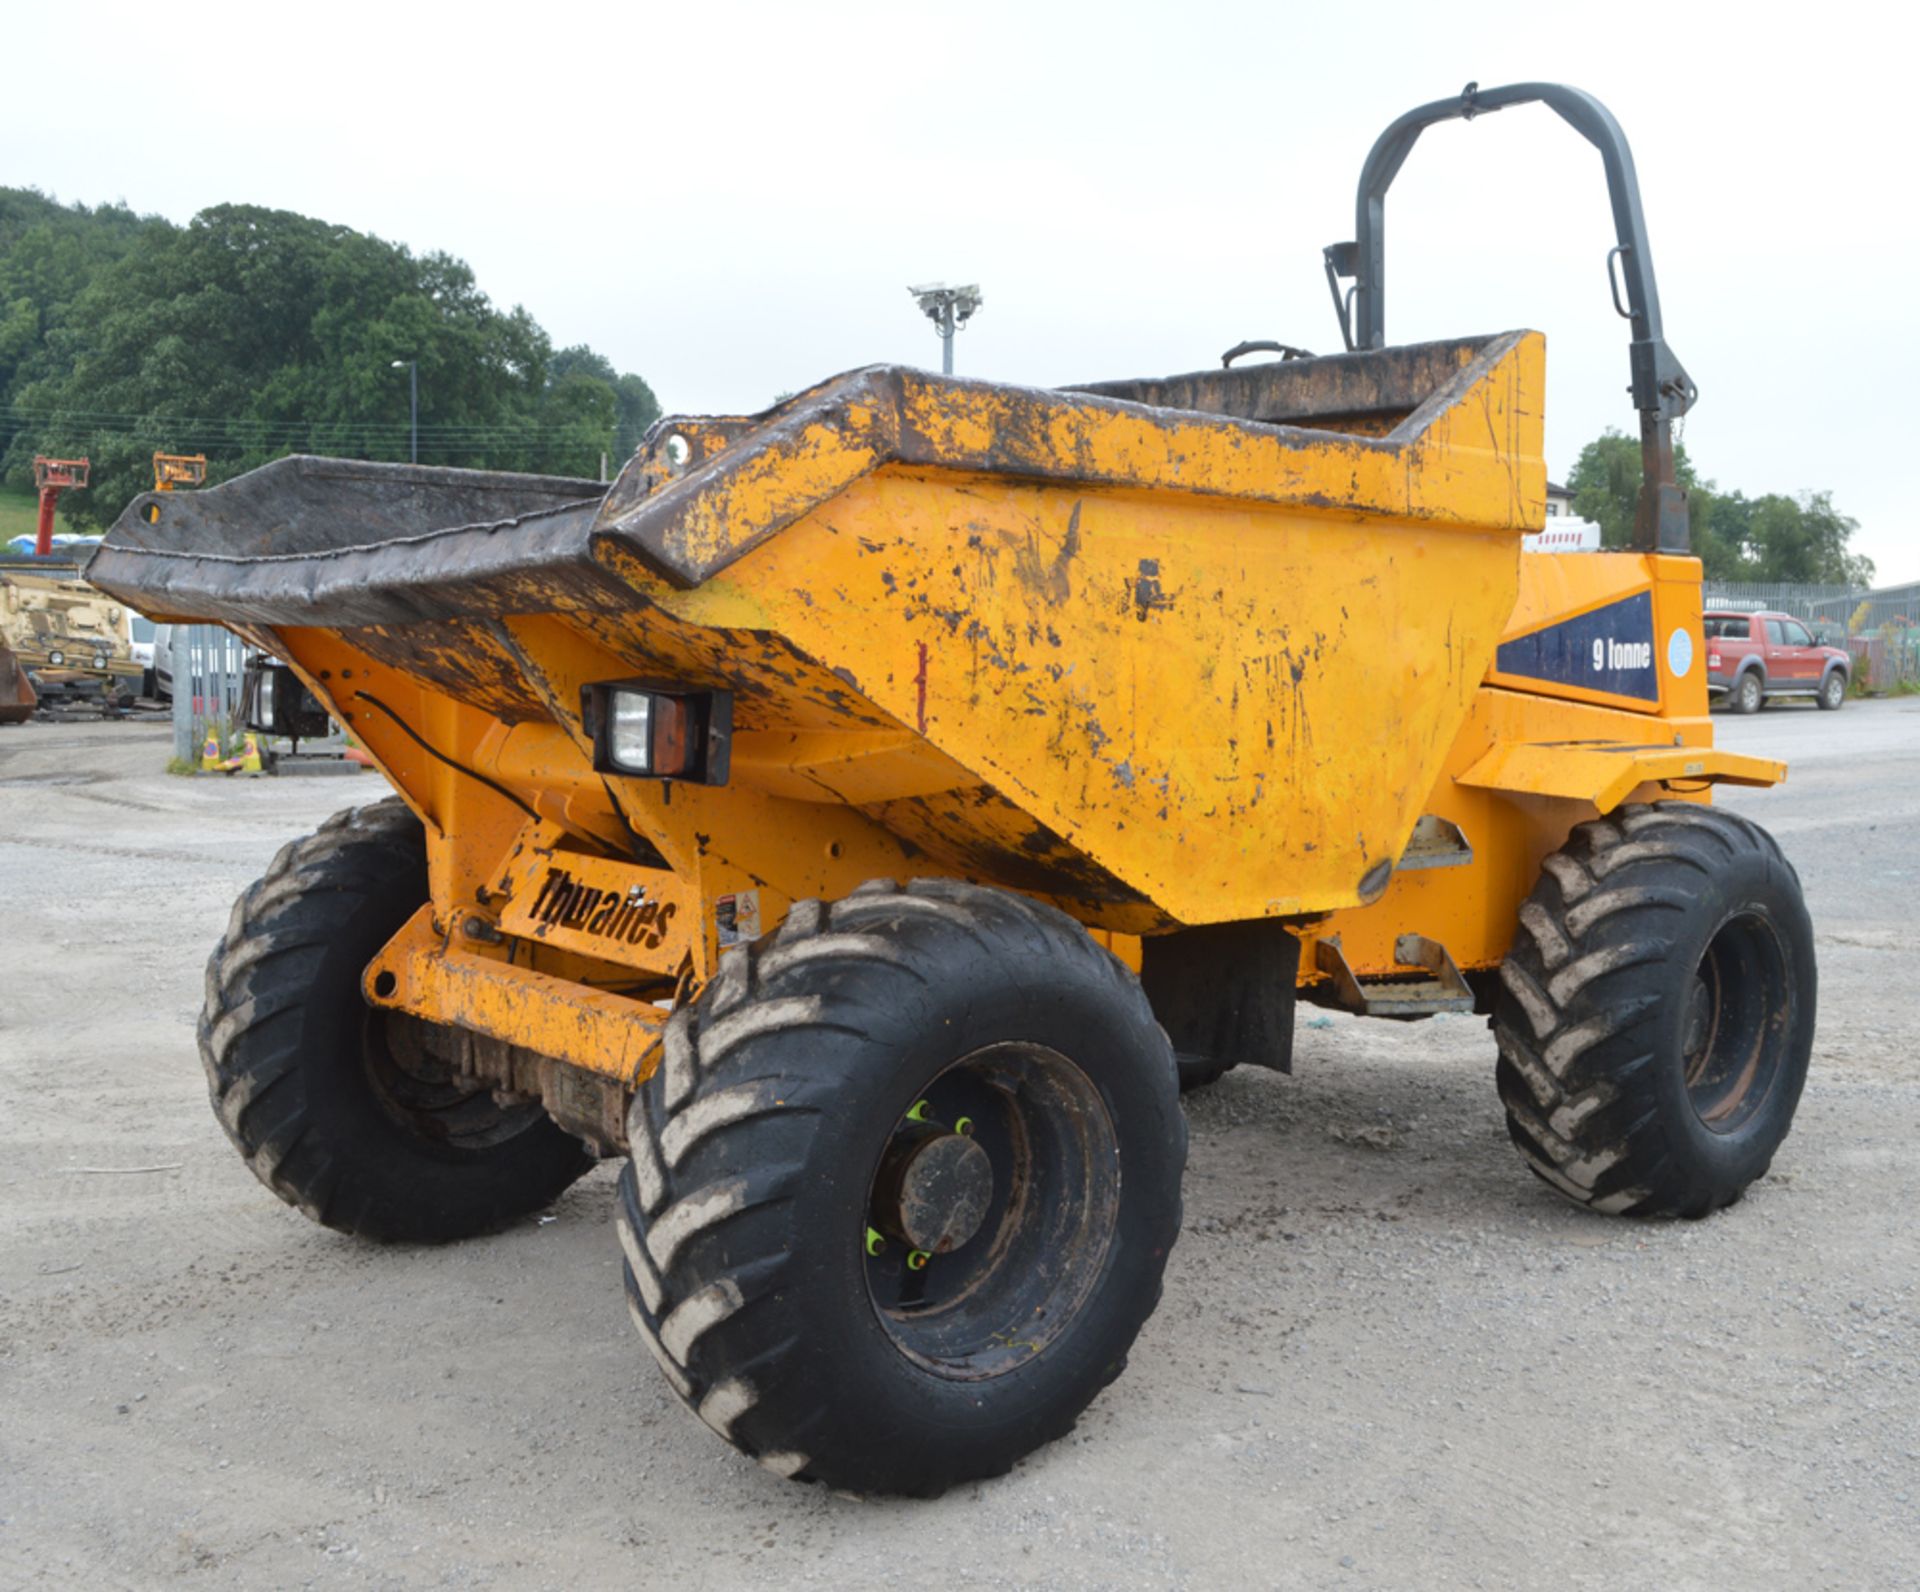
<point>642,730</point>
<point>275,701</point>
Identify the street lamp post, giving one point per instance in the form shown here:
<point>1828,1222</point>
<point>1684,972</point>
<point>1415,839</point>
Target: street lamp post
<point>413,404</point>
<point>949,308</point>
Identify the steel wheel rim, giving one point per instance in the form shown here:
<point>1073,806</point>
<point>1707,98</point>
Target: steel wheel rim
<point>1009,1291</point>
<point>1738,1009</point>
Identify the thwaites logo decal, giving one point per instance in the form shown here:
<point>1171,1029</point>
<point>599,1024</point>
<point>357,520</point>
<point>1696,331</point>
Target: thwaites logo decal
<point>1609,649</point>
<point>567,904</point>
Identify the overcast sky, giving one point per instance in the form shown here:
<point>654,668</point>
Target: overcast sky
<point>731,198</point>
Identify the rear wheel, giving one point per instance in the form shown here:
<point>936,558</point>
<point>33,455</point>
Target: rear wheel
<point>875,1226</point>
<point>1747,693</point>
<point>1656,1012</point>
<point>1833,690</point>
<point>348,1112</point>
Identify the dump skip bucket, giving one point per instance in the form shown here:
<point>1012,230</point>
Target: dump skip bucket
<point>1180,651</point>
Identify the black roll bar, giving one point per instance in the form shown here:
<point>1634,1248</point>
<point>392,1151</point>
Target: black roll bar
<point>1662,390</point>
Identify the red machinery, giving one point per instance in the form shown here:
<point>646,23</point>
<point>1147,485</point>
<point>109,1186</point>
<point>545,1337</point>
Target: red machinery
<point>52,477</point>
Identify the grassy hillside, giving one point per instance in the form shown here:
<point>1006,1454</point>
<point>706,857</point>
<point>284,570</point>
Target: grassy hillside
<point>19,514</point>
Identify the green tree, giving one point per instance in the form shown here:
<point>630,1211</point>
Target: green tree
<point>1771,538</point>
<point>635,406</point>
<point>251,333</point>
<point>49,252</point>
<point>1605,482</point>
<point>1800,538</point>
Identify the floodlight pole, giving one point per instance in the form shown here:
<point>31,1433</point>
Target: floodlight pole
<point>943,324</point>
<point>949,308</point>
<point>413,405</point>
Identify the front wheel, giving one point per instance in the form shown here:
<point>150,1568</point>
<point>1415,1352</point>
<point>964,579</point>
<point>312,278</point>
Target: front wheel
<point>1656,1012</point>
<point>350,1113</point>
<point>1833,691</point>
<point>876,1227</point>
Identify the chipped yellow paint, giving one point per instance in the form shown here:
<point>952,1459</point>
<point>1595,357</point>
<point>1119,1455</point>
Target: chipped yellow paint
<point>1559,587</point>
<point>1157,667</point>
<point>857,768</point>
<point>1604,776</point>
<point>1467,456</point>
<point>1235,709</point>
<point>603,907</point>
<point>594,1029</point>
<point>1523,770</point>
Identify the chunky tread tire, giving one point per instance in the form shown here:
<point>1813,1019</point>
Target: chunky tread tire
<point>282,1034</point>
<point>1833,690</point>
<point>1592,1003</point>
<point>751,1149</point>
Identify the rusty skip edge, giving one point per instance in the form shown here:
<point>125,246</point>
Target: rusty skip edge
<point>350,544</point>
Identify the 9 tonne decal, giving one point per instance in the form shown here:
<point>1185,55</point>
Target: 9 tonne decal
<point>1609,649</point>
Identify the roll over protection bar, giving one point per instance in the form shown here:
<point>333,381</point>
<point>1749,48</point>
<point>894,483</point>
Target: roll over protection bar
<point>1662,390</point>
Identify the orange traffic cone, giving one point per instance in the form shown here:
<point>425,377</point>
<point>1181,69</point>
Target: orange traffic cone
<point>247,759</point>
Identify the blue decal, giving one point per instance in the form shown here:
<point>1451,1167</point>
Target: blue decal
<point>1610,649</point>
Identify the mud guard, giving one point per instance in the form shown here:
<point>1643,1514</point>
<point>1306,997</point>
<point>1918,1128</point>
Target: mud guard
<point>1605,773</point>
<point>1225,991</point>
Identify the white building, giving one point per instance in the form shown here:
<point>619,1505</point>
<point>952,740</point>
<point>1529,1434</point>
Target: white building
<point>1564,532</point>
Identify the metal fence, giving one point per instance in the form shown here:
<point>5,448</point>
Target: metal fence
<point>1879,626</point>
<point>206,663</point>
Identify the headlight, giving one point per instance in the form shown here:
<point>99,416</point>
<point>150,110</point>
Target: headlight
<point>278,703</point>
<point>630,731</point>
<point>56,658</point>
<point>99,660</point>
<point>660,734</point>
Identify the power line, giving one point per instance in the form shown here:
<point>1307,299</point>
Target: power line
<point>209,426</point>
<point>318,436</point>
<point>222,450</point>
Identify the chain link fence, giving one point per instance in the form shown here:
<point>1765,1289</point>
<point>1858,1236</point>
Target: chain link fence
<point>1880,627</point>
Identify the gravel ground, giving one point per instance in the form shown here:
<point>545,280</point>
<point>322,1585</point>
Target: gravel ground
<point>1387,1356</point>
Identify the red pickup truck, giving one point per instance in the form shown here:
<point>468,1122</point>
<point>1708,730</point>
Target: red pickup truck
<point>1754,656</point>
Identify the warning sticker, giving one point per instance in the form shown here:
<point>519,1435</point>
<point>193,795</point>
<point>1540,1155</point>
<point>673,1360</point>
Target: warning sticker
<point>738,917</point>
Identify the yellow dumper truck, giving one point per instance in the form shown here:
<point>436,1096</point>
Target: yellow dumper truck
<point>865,814</point>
